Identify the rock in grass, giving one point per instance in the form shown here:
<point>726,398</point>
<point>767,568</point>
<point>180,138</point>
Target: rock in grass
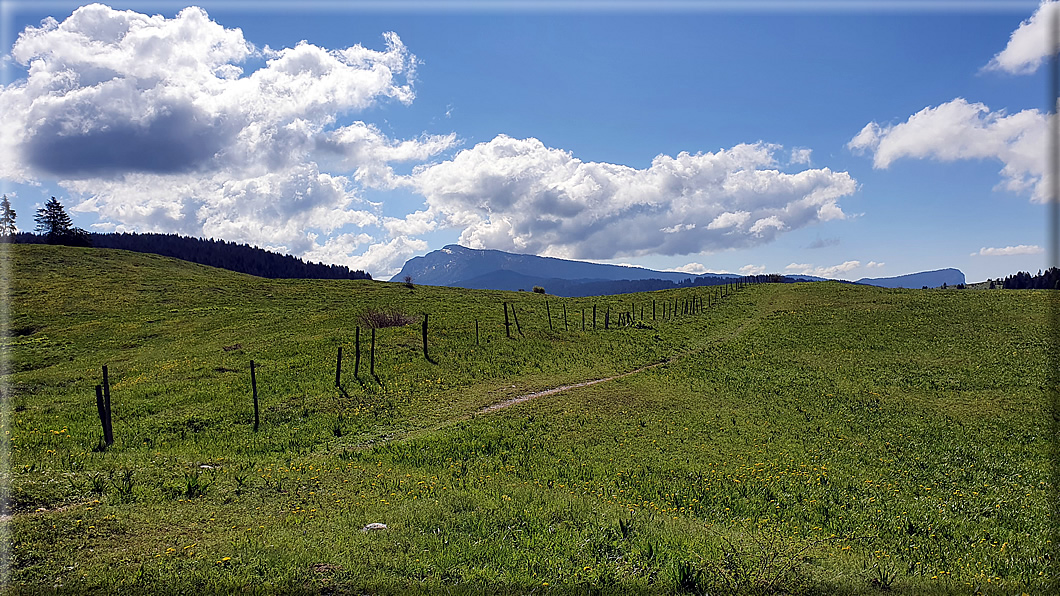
<point>374,526</point>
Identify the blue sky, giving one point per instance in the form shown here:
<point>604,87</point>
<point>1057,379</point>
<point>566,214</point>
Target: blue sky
<point>845,140</point>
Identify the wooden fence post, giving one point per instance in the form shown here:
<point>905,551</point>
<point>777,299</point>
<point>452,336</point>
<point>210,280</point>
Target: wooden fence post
<point>254,388</point>
<point>108,439</point>
<point>108,431</point>
<point>653,309</point>
<point>565,326</point>
<point>507,324</point>
<point>607,317</point>
<point>357,353</point>
<point>583,319</point>
<point>476,332</point>
<point>548,313</point>
<point>371,359</point>
<point>338,369</point>
<point>518,327</point>
<point>425,356</point>
<point>594,317</point>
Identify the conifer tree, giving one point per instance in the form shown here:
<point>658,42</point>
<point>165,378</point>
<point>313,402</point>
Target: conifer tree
<point>7,218</point>
<point>53,221</point>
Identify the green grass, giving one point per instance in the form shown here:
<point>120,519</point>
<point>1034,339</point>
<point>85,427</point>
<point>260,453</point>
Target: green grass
<point>806,438</point>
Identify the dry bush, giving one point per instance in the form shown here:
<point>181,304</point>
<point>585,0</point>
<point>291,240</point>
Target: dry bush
<point>377,319</point>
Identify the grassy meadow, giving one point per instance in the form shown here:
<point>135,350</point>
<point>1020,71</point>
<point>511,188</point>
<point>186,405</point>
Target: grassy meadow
<point>794,438</point>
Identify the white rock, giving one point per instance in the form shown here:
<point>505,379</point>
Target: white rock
<point>373,527</point>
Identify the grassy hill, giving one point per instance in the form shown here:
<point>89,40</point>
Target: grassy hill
<point>798,438</point>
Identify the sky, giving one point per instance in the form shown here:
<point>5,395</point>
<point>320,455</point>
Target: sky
<point>839,139</point>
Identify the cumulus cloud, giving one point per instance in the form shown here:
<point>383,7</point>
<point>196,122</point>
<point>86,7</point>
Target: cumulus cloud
<point>1022,249</point>
<point>752,269</point>
<point>519,195</point>
<point>832,271</point>
<point>157,127</point>
<point>800,155</point>
<point>1029,45</point>
<point>874,265</point>
<point>961,130</point>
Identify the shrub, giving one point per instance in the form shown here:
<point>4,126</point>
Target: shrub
<point>539,290</point>
<point>408,282</point>
<point>377,319</point>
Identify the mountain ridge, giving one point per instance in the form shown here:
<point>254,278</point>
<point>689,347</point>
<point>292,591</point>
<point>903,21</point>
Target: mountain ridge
<point>458,266</point>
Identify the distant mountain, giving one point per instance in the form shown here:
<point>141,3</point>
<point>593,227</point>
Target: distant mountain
<point>503,279</point>
<point>931,279</point>
<point>453,264</point>
<point>462,267</point>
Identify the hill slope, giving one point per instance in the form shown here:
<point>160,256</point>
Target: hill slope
<point>819,437</point>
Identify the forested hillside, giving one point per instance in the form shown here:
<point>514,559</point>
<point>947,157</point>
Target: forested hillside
<point>241,258</point>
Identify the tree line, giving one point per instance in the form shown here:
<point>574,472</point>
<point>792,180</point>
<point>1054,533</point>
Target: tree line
<point>54,226</point>
<point>1049,280</point>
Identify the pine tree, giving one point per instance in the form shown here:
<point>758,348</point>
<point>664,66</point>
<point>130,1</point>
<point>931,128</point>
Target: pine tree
<point>53,221</point>
<point>7,218</point>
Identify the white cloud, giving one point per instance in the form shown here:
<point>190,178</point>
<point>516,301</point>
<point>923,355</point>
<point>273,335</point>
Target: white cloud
<point>752,269</point>
<point>1029,44</point>
<point>519,195</point>
<point>961,130</point>
<point>693,268</point>
<point>154,124</point>
<point>729,220</point>
<point>874,265</point>
<point>387,258</point>
<point>1022,249</point>
<point>834,271</point>
<point>800,155</point>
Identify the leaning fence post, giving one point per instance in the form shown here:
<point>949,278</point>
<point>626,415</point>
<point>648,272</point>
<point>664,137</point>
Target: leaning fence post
<point>518,327</point>
<point>565,326</point>
<point>507,323</point>
<point>108,430</point>
<point>254,388</point>
<point>371,361</point>
<point>425,356</point>
<point>357,353</point>
<point>548,313</point>
<point>338,369</point>
<point>108,439</point>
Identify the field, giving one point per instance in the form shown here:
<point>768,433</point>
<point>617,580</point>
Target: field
<point>794,438</point>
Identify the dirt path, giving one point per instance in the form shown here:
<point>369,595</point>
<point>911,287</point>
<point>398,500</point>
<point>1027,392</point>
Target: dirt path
<point>520,399</point>
<point>763,308</point>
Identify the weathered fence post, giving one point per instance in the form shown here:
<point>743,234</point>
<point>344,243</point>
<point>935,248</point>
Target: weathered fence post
<point>594,317</point>
<point>357,353</point>
<point>371,358</point>
<point>607,317</point>
<point>507,324</point>
<point>108,436</point>
<point>565,326</point>
<point>254,388</point>
<point>518,327</point>
<point>653,309</point>
<point>106,404</point>
<point>548,313</point>
<point>338,369</point>
<point>425,356</point>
